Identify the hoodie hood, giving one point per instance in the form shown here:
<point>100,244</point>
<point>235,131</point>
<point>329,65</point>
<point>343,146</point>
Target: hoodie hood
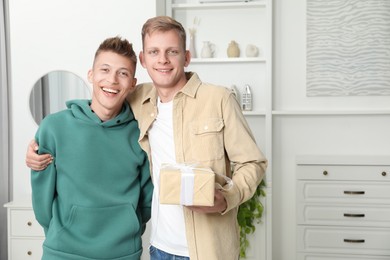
<point>81,109</point>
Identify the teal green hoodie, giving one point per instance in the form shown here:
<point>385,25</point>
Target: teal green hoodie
<point>94,200</point>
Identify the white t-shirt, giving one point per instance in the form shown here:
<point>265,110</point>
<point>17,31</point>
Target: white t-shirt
<point>168,228</point>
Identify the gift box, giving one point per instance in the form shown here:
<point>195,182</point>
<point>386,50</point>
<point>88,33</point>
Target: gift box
<point>187,185</point>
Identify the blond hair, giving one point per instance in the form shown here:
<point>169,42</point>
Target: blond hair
<point>163,24</point>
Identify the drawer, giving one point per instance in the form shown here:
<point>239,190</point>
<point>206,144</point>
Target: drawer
<point>343,192</point>
<point>343,240</point>
<point>344,172</point>
<point>26,249</point>
<point>303,256</point>
<point>24,224</point>
<point>343,215</point>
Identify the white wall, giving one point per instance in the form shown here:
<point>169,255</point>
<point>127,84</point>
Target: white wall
<point>345,125</point>
<point>50,35</point>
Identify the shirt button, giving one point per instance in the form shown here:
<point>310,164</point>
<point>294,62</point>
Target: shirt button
<point>205,127</point>
<point>152,114</point>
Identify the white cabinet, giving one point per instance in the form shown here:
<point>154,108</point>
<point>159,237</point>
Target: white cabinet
<point>25,235</point>
<point>343,207</point>
<point>249,23</point>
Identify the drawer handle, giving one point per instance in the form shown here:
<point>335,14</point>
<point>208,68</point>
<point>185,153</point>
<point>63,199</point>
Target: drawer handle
<point>354,240</point>
<point>350,215</point>
<point>384,173</point>
<point>29,252</point>
<point>29,223</point>
<point>349,192</point>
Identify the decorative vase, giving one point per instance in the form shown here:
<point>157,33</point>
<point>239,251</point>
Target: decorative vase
<point>251,50</point>
<point>192,45</point>
<point>207,50</point>
<point>233,51</point>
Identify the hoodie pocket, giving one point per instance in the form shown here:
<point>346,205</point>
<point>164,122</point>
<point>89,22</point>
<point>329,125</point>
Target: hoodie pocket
<point>106,232</point>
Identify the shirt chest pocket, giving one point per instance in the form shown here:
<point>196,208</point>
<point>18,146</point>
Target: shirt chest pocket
<point>207,139</point>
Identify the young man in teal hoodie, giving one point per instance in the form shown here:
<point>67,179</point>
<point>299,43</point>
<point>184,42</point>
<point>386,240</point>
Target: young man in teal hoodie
<point>94,200</point>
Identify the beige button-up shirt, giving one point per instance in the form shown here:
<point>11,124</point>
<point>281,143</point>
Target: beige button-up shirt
<point>209,129</point>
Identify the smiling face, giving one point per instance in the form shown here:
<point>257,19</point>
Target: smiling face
<point>112,77</point>
<point>164,58</point>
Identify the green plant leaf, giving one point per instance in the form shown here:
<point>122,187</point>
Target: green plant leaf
<point>249,213</point>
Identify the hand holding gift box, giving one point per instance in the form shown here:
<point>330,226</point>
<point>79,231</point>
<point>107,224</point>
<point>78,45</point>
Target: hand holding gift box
<point>187,185</point>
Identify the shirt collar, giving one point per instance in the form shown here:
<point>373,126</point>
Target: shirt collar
<point>190,88</point>
<point>192,85</point>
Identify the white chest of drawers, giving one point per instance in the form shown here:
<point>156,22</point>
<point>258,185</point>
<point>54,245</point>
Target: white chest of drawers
<point>343,207</point>
<point>25,235</point>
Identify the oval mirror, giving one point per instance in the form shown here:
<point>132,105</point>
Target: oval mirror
<point>52,90</point>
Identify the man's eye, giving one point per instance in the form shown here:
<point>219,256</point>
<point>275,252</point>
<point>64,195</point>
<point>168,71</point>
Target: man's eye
<point>153,52</point>
<point>123,74</point>
<point>104,70</point>
<point>173,52</point>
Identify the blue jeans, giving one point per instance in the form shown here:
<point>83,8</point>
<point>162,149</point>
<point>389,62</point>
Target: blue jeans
<point>157,254</point>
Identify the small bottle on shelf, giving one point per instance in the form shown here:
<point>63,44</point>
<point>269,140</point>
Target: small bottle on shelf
<point>233,88</point>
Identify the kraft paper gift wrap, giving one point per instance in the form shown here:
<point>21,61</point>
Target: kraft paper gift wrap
<point>187,185</point>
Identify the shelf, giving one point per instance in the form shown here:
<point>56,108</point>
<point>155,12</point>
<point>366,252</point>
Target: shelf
<point>253,113</point>
<point>219,5</point>
<point>227,60</point>
<point>328,112</point>
<point>342,159</point>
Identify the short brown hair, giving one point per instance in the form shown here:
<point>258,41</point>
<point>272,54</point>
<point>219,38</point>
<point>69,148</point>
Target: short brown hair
<point>119,46</point>
<point>163,24</point>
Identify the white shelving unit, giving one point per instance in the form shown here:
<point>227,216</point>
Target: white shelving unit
<point>219,6</point>
<point>227,60</point>
<point>246,22</point>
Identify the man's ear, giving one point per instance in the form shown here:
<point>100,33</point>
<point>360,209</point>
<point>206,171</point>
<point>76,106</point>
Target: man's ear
<point>134,83</point>
<point>90,76</point>
<point>187,58</point>
<point>142,58</point>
